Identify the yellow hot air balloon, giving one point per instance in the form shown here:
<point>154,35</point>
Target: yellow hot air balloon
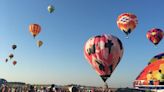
<point>39,43</point>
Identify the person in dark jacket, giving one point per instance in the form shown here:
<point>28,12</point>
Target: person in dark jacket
<point>31,89</point>
<point>52,87</point>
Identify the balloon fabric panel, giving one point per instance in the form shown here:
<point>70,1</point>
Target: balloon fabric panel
<point>155,66</point>
<point>157,57</point>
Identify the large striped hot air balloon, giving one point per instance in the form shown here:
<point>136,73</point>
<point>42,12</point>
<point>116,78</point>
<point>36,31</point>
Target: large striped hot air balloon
<point>103,52</point>
<point>34,29</point>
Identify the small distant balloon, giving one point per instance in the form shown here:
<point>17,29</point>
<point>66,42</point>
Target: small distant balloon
<point>11,56</point>
<point>14,47</point>
<point>39,43</point>
<point>51,8</point>
<point>6,60</point>
<point>14,62</point>
<point>155,35</point>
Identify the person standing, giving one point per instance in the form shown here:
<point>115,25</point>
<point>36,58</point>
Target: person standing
<point>31,89</point>
<point>52,88</point>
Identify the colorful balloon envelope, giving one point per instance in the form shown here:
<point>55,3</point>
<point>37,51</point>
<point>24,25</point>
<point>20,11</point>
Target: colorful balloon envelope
<point>155,35</point>
<point>157,57</point>
<point>51,8</point>
<point>14,62</point>
<point>34,29</point>
<point>39,43</point>
<point>103,52</point>
<point>127,22</point>
<point>154,67</point>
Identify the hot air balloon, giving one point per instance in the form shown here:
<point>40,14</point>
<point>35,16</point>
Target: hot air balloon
<point>11,56</point>
<point>153,68</point>
<point>14,62</point>
<point>157,57</point>
<point>34,29</point>
<point>127,22</point>
<point>14,47</point>
<point>103,52</point>
<point>39,43</point>
<point>50,8</point>
<point>6,60</point>
<point>155,35</point>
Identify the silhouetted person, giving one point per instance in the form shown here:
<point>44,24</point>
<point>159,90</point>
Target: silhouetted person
<point>74,89</point>
<point>31,89</point>
<point>52,88</point>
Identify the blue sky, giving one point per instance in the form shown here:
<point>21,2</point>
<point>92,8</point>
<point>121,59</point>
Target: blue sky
<point>61,60</point>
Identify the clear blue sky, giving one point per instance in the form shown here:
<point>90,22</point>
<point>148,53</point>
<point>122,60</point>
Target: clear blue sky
<point>61,60</point>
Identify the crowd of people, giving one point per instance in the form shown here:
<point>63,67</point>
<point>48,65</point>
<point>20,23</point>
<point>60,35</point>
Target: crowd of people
<point>31,88</point>
<point>52,88</point>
